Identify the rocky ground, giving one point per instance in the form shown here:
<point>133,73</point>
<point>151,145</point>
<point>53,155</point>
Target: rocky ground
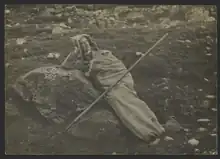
<point>178,78</point>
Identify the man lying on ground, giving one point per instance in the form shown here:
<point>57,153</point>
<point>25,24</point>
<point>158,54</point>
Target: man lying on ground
<point>104,69</point>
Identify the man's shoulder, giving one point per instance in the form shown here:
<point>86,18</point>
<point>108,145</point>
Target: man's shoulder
<point>105,55</point>
<point>105,52</point>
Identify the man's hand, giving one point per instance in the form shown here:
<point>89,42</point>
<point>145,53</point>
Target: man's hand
<point>87,74</point>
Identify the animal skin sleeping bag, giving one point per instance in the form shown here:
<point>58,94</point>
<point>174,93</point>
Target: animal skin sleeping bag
<point>105,69</point>
<point>132,111</point>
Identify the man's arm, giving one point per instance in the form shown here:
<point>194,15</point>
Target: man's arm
<point>93,79</point>
<point>91,75</point>
<point>87,74</point>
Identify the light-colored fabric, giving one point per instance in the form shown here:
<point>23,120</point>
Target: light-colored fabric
<point>132,111</point>
<point>109,69</point>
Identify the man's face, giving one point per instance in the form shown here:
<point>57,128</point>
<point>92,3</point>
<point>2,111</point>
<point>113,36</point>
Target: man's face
<point>86,48</point>
<point>83,46</point>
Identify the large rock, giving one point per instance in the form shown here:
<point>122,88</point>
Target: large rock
<point>59,93</point>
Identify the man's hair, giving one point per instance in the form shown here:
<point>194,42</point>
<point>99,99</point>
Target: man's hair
<point>85,44</point>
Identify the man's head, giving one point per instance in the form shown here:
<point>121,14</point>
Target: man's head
<point>85,45</point>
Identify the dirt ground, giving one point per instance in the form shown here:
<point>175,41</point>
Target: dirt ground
<point>185,63</point>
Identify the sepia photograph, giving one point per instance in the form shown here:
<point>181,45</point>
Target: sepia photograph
<point>110,79</point>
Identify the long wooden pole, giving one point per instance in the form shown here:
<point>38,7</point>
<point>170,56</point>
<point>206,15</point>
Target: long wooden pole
<point>107,90</point>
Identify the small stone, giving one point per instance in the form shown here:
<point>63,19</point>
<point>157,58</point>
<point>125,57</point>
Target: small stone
<point>114,153</point>
<point>205,104</point>
<point>214,109</point>
<point>69,20</point>
<point>200,90</point>
<point>155,142</point>
<point>139,54</point>
<point>17,24</point>
<point>214,153</point>
<point>53,55</point>
<point>51,10</point>
<point>208,54</point>
<point>210,96</point>
<point>201,129</point>
<point>112,19</point>
<point>134,25</point>
<point>102,129</point>
<point>193,142</point>
<point>59,15</point>
<point>208,48</point>
<point>57,30</point>
<point>45,13</point>
<point>213,135</point>
<point>208,37</point>
<point>70,8</point>
<point>66,14</point>
<point>25,50</point>
<point>186,130</point>
<point>7,64</point>
<point>8,25</point>
<point>203,120</point>
<point>165,88</point>
<point>167,138</point>
<point>187,41</point>
<point>211,19</point>
<point>172,125</point>
<point>63,25</point>
<point>206,79</point>
<point>7,11</point>
<point>196,150</point>
<point>203,27</point>
<point>180,70</point>
<point>181,41</point>
<point>191,106</point>
<point>57,55</point>
<point>50,55</point>
<point>20,41</point>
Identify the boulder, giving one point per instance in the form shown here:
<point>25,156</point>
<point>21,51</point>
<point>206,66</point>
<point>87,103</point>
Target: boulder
<point>58,93</point>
